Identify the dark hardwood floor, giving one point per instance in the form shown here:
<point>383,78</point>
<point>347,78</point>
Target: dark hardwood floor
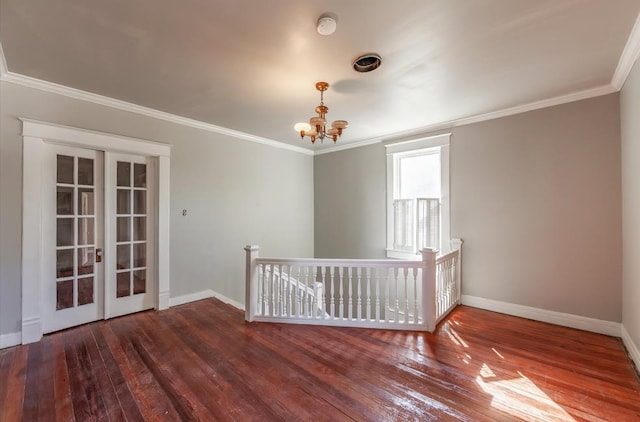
<point>202,362</point>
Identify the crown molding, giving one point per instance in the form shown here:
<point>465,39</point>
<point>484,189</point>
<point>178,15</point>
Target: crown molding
<point>404,135</point>
<point>3,62</point>
<point>342,147</point>
<point>77,94</point>
<point>628,57</point>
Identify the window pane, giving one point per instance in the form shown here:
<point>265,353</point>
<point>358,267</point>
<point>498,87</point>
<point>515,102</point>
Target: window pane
<point>123,257</point>
<point>140,175</point>
<point>86,258</point>
<point>139,282</point>
<point>85,171</point>
<point>64,232</point>
<point>124,174</point>
<point>64,263</point>
<point>139,228</point>
<point>123,284</point>
<point>140,202</point>
<point>64,200</point>
<point>124,201</point>
<point>85,231</point>
<point>64,294</point>
<point>123,229</point>
<point>85,290</point>
<point>420,176</point>
<point>139,255</point>
<point>85,201</point>
<point>65,169</point>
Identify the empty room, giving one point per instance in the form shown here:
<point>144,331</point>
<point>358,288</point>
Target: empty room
<point>320,210</point>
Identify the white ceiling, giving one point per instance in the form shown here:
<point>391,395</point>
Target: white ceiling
<point>251,65</point>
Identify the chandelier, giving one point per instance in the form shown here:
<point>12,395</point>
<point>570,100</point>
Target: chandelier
<point>316,128</point>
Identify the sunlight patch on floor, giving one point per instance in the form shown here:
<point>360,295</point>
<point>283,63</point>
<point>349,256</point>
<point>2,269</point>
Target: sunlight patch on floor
<point>520,397</point>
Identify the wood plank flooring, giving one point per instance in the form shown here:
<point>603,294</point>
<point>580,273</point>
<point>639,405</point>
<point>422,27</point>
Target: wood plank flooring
<point>201,361</point>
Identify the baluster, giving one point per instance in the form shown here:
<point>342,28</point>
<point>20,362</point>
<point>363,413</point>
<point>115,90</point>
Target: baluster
<point>359,292</point>
<point>442,280</point>
<point>290,287</point>
<point>368,293</point>
<point>260,289</point>
<point>286,279</point>
<point>377,281</point>
<point>387,303</point>
<point>350,274</point>
<point>314,297</point>
<point>341,303</point>
<point>271,296</point>
<point>321,301</point>
<point>307,296</point>
<point>415,295</point>
<point>406,294</point>
<point>293,292</point>
<point>332,300</point>
<point>397,295</point>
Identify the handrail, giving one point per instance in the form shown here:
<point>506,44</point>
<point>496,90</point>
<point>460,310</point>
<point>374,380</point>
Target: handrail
<point>376,293</point>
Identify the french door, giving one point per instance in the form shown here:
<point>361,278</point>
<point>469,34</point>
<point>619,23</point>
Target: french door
<point>98,235</point>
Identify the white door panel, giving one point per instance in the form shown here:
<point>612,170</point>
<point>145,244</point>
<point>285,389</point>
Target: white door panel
<point>73,229</point>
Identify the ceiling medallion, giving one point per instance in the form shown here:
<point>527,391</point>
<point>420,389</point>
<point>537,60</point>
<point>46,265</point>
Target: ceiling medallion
<point>316,128</point>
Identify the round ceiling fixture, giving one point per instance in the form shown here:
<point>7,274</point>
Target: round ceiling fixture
<point>326,24</point>
<point>367,62</point>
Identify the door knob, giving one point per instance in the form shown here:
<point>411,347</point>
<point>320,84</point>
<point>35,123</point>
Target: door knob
<point>99,255</point>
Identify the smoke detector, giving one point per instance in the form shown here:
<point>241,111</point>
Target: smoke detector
<point>326,24</point>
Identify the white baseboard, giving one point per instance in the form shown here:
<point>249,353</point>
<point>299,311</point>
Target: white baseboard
<point>10,339</point>
<point>204,294</point>
<point>231,302</point>
<point>633,350</point>
<point>566,320</point>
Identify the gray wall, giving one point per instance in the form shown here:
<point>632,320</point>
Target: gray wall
<point>630,131</point>
<point>350,195</point>
<point>236,192</point>
<point>535,196</point>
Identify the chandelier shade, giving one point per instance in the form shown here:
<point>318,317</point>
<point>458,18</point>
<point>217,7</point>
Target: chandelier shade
<point>317,126</point>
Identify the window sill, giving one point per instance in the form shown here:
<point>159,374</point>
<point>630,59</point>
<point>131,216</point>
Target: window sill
<point>407,256</point>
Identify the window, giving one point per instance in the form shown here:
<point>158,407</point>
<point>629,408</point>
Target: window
<point>418,196</point>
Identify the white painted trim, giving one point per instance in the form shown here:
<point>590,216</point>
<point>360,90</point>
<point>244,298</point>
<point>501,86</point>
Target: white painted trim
<point>609,328</point>
<point>3,63</point>
<point>77,94</point>
<point>92,139</point>
<point>419,143</point>
<point>536,105</point>
<point>204,294</point>
<point>632,348</point>
<point>342,147</point>
<point>30,82</point>
<point>628,57</point>
<point>191,297</point>
<point>10,339</point>
<point>31,329</point>
<point>35,136</point>
<point>229,301</point>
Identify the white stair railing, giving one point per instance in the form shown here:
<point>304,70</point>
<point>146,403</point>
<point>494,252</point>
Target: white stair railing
<point>392,294</point>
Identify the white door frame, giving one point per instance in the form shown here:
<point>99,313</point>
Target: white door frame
<point>35,134</point>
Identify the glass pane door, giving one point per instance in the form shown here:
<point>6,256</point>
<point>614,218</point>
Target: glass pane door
<point>75,232</point>
<point>72,235</point>
<point>131,229</point>
<point>130,284</point>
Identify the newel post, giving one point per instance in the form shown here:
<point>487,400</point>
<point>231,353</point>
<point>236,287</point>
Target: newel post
<point>456,244</point>
<point>429,288</point>
<point>251,287</point>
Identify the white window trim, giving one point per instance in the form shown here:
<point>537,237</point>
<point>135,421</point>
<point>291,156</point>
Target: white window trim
<point>414,146</point>
<point>35,135</point>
